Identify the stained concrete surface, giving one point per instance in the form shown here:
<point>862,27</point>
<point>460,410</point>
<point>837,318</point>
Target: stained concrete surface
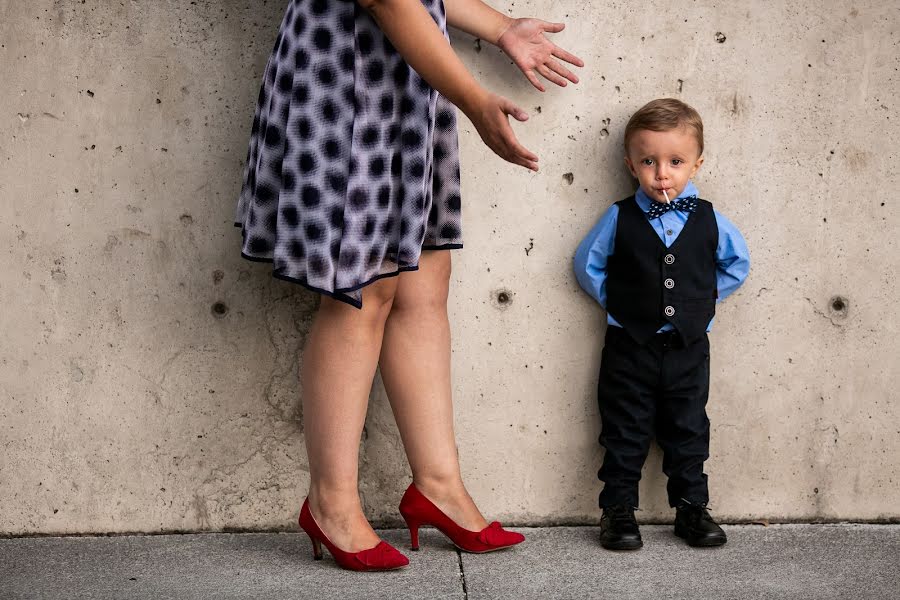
<point>818,562</point>
<point>815,562</point>
<point>247,566</point>
<point>148,375</point>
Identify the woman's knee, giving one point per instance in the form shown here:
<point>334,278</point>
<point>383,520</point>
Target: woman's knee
<point>427,288</point>
<point>378,297</point>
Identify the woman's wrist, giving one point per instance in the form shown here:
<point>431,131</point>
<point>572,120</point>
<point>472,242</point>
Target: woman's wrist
<point>502,27</point>
<point>472,99</point>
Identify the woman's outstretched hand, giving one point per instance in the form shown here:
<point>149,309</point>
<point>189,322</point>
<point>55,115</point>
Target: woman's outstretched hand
<point>525,43</point>
<point>490,115</point>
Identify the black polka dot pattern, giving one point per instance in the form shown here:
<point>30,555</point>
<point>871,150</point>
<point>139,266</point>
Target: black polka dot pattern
<point>353,166</point>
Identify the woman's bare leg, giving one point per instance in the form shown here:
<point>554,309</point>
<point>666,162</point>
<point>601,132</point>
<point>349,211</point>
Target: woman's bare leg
<point>339,363</point>
<point>415,367</point>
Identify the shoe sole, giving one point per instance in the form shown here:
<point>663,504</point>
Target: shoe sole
<point>709,542</point>
<point>623,546</point>
<point>483,551</point>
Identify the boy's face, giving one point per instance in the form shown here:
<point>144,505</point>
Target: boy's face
<point>663,161</point>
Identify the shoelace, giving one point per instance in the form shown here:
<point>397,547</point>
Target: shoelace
<point>698,512</point>
<point>620,513</point>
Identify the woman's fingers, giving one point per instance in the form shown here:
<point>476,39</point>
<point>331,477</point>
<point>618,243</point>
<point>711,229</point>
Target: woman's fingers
<point>567,56</point>
<point>529,74</point>
<point>517,150</point>
<point>551,76</point>
<point>524,159</point>
<point>561,70</point>
<point>531,166</point>
<point>521,152</point>
<point>510,150</point>
<point>509,137</point>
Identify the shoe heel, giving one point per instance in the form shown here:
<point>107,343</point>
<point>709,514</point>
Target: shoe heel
<point>317,548</point>
<point>413,534</point>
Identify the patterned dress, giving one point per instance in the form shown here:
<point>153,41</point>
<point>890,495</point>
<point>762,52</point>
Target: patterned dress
<point>353,166</point>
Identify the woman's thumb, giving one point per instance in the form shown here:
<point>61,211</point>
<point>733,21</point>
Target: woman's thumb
<point>514,111</point>
<point>552,27</point>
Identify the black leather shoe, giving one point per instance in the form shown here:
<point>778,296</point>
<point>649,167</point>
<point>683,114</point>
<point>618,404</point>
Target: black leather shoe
<point>694,524</point>
<point>618,528</point>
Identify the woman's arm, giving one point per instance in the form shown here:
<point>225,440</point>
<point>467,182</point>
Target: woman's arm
<point>421,43</point>
<point>477,18</point>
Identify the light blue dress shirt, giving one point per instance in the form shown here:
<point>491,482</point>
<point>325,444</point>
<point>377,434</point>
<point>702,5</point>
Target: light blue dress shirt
<point>732,256</point>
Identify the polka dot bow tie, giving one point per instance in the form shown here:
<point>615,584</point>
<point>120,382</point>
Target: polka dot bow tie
<point>658,209</point>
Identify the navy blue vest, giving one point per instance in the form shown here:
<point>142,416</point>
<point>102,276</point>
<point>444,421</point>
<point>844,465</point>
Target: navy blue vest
<point>649,285</point>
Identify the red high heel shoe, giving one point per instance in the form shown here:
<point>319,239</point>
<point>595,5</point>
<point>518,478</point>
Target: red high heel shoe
<point>418,510</point>
<point>382,557</point>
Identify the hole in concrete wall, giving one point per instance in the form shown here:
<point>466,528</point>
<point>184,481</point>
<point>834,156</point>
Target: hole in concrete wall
<point>720,37</point>
<point>502,299</point>
<point>569,177</point>
<point>219,309</point>
<point>839,306</point>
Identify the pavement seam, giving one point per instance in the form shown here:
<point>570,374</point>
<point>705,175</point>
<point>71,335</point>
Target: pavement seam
<point>462,576</point>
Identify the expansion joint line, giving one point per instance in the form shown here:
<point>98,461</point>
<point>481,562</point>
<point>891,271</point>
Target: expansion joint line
<point>462,576</point>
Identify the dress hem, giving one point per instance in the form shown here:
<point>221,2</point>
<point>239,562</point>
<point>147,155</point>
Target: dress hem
<point>341,294</point>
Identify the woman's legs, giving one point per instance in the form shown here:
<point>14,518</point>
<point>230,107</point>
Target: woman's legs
<point>405,319</point>
<point>415,367</point>
<point>339,363</point>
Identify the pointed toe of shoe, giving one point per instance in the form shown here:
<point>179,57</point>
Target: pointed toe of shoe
<point>494,537</point>
<point>513,538</point>
<point>382,557</point>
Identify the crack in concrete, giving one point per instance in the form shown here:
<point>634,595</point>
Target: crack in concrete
<point>462,575</point>
<point>822,314</point>
<point>270,464</point>
<point>167,366</point>
<point>283,378</point>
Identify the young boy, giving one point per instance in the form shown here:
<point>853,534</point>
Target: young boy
<point>658,262</point>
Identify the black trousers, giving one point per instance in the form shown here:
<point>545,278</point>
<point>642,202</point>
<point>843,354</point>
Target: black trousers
<point>660,389</point>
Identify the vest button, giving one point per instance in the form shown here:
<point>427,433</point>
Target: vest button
<point>669,283</point>
<point>670,311</point>
<point>669,259</point>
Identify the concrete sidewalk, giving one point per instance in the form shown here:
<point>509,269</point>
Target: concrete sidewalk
<point>783,561</point>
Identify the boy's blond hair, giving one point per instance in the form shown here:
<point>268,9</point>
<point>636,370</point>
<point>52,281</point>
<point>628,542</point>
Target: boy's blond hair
<point>665,114</point>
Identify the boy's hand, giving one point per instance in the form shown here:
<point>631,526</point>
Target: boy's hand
<point>524,42</point>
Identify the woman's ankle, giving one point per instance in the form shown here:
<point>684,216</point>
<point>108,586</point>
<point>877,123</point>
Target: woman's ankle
<point>448,486</point>
<point>330,502</point>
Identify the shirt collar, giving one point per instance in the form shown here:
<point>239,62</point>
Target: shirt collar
<point>645,201</point>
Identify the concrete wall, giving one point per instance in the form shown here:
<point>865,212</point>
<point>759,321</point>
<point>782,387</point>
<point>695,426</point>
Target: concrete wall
<point>148,375</point>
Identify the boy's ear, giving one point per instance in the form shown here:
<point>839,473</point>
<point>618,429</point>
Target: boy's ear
<point>630,167</point>
<point>697,166</point>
